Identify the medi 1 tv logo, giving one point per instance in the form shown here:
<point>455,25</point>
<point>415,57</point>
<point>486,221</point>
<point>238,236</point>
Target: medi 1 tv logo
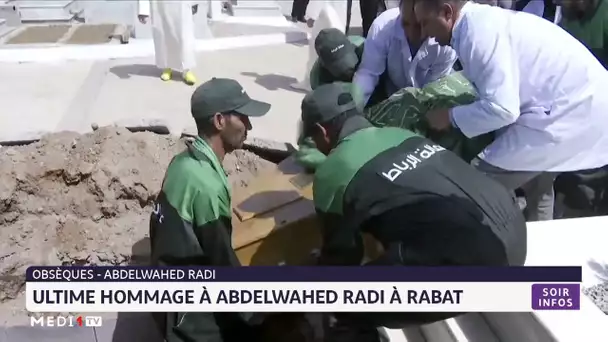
<point>65,321</point>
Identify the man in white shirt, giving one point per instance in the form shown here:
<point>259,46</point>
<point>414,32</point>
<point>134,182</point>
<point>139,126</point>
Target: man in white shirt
<point>539,88</point>
<point>395,44</point>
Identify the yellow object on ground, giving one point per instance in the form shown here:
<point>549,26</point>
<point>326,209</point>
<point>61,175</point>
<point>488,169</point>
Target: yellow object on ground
<point>275,210</point>
<point>166,75</point>
<point>189,78</point>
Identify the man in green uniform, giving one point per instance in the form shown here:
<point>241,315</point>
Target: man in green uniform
<point>587,20</point>
<point>424,204</point>
<point>339,58</point>
<point>191,222</point>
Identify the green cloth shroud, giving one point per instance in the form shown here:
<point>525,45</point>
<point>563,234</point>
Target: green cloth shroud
<point>406,109</point>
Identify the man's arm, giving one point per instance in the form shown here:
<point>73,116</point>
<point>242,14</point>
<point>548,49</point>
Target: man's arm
<point>212,233</point>
<point>192,239</point>
<point>373,61</point>
<point>489,63</point>
<point>443,64</point>
<point>342,242</point>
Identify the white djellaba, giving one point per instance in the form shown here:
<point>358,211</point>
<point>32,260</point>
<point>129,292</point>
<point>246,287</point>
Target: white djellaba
<point>173,32</point>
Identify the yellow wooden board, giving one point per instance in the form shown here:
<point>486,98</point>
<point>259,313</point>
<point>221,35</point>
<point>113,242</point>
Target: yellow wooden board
<point>274,221</point>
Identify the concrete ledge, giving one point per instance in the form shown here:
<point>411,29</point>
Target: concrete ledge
<point>271,150</point>
<point>22,138</point>
<point>137,48</point>
<point>270,145</point>
<point>266,21</point>
<point>159,126</point>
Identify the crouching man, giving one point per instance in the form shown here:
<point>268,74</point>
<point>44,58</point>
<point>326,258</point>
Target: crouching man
<point>424,204</point>
<point>191,224</point>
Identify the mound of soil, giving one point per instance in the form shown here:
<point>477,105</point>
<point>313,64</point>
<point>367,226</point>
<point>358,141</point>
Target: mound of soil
<point>73,199</point>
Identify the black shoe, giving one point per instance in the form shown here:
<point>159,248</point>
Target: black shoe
<point>301,19</point>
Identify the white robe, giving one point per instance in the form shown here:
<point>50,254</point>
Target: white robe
<point>173,32</point>
<point>539,85</point>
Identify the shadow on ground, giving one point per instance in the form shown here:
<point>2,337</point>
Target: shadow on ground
<point>126,71</point>
<point>274,81</point>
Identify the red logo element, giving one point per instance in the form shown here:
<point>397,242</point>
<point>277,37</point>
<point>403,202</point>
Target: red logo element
<point>79,320</point>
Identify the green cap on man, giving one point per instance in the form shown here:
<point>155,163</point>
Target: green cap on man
<point>224,95</point>
<point>336,52</point>
<point>327,102</point>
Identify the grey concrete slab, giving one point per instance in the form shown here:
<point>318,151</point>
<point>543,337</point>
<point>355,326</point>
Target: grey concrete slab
<point>3,337</point>
<point>76,116</point>
<point>132,89</point>
<point>115,11</point>
<point>129,327</point>
<point>50,334</point>
<point>72,95</point>
<point>355,18</point>
<point>223,29</point>
<point>35,97</point>
<point>125,12</point>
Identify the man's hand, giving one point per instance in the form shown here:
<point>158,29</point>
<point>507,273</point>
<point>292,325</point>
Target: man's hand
<point>143,19</point>
<point>194,9</point>
<point>439,119</point>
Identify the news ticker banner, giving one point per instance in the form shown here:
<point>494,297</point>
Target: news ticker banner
<point>302,289</point>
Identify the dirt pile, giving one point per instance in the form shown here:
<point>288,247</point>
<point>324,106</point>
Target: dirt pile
<point>73,199</point>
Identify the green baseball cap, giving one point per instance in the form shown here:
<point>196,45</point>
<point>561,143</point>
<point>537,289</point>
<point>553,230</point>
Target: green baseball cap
<point>325,103</point>
<point>336,53</point>
<point>223,95</point>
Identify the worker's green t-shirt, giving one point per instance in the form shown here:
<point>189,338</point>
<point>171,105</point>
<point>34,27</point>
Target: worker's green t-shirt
<point>191,226</point>
<point>592,31</point>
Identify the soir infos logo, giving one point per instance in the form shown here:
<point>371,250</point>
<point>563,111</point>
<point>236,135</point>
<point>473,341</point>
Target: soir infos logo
<point>66,321</point>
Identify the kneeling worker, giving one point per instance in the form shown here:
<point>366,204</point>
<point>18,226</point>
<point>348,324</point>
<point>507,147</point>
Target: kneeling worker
<point>339,59</point>
<point>191,223</point>
<point>424,204</point>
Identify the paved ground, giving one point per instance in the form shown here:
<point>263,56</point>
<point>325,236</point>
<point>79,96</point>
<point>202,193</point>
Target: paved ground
<point>42,98</point>
<point>101,11</point>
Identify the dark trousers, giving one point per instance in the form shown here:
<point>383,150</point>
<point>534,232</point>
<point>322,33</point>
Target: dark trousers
<point>298,9</point>
<point>369,11</point>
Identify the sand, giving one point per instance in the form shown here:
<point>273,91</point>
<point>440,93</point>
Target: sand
<point>73,199</point>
